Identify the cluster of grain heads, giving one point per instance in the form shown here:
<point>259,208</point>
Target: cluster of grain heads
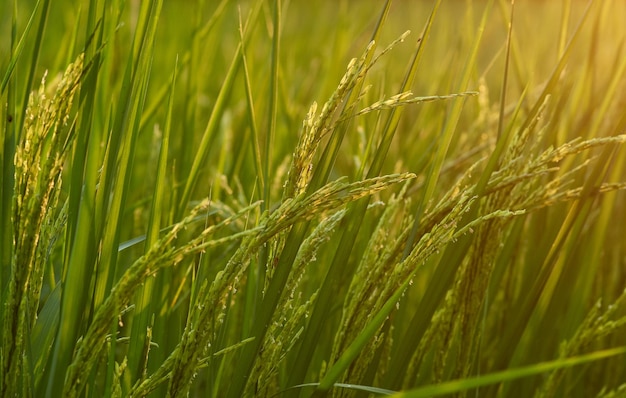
<point>163,254</point>
<point>181,367</point>
<point>40,154</point>
<point>286,324</point>
<point>315,127</point>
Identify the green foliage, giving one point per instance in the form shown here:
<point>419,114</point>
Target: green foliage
<point>179,217</point>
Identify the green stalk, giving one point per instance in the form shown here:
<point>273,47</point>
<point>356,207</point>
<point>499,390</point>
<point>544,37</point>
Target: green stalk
<point>146,307</point>
<point>211,130</point>
<point>273,104</point>
<point>256,275</point>
<point>73,309</point>
<point>16,49</point>
<point>33,61</point>
<point>7,170</point>
<point>7,232</point>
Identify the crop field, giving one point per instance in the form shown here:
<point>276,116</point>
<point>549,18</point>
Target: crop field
<point>286,198</point>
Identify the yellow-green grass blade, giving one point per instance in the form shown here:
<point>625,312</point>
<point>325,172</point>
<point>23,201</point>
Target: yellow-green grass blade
<point>352,387</point>
<point>565,16</point>
<point>43,333</point>
<point>456,386</point>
